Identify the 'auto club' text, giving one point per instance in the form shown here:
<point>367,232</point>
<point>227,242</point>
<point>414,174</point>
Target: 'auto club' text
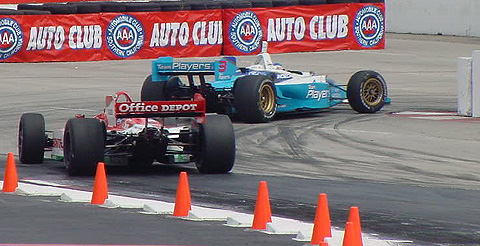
<point>295,28</point>
<point>54,37</point>
<point>90,36</point>
<point>203,33</point>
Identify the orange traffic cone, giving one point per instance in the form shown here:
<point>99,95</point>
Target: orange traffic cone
<point>100,187</point>
<point>322,226</point>
<point>354,217</point>
<point>349,237</point>
<point>182,199</point>
<point>10,178</point>
<point>263,213</point>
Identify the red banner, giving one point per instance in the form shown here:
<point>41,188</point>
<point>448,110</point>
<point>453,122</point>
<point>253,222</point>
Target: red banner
<point>146,35</point>
<point>304,28</point>
<point>110,36</point>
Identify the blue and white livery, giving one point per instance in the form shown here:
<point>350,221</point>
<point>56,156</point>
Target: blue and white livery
<point>262,90</point>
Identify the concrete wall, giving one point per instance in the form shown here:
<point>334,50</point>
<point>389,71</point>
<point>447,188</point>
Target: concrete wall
<point>448,17</point>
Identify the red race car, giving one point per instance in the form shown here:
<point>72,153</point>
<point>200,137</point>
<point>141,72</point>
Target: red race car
<point>134,133</point>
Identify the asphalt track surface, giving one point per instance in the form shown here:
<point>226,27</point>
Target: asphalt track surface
<point>414,179</point>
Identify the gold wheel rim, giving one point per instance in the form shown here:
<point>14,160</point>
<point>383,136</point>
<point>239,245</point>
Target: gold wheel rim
<point>267,98</point>
<point>372,92</point>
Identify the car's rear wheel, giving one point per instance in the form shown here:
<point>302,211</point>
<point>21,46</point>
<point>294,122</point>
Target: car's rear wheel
<point>152,91</point>
<point>216,150</point>
<point>366,91</point>
<point>84,145</point>
<point>31,138</point>
<point>255,98</point>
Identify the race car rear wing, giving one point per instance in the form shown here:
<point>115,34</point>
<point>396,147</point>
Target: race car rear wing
<point>164,67</point>
<point>148,109</point>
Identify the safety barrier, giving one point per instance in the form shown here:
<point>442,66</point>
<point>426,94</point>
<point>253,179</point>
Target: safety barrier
<point>262,221</point>
<point>468,90</point>
<point>89,31</point>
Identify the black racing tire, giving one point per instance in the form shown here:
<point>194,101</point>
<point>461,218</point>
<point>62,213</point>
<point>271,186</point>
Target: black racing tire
<point>343,1</point>
<point>366,91</point>
<point>262,3</point>
<point>255,98</point>
<point>4,11</point>
<point>200,5</point>
<point>283,3</point>
<point>84,145</point>
<point>34,12</point>
<point>372,1</point>
<point>86,7</point>
<point>31,138</point>
<point>60,9</point>
<point>311,2</point>
<point>213,5</point>
<point>174,6</point>
<point>216,145</point>
<point>237,4</point>
<point>152,91</point>
<point>142,7</point>
<point>27,6</point>
<point>112,6</point>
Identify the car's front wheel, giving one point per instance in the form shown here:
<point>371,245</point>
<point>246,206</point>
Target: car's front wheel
<point>366,91</point>
<point>255,98</point>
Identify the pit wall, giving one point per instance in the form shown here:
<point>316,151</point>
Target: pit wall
<point>446,17</point>
<point>191,33</point>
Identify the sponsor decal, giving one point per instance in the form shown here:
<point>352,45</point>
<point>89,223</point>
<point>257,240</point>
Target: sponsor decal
<point>245,32</point>
<point>11,38</point>
<point>316,94</point>
<point>186,66</point>
<point>125,36</point>
<point>253,72</point>
<point>140,107</point>
<point>283,76</point>
<point>54,37</point>
<point>176,33</point>
<point>369,26</point>
<point>294,28</point>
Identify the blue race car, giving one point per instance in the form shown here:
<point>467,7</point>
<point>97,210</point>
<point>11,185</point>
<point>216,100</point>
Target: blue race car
<point>257,93</point>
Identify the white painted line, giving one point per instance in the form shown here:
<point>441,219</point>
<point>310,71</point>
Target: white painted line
<point>425,113</point>
<point>41,182</point>
<point>436,118</point>
<point>74,109</point>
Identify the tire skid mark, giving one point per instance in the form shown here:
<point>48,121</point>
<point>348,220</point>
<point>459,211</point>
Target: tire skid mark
<point>288,140</point>
<point>425,155</point>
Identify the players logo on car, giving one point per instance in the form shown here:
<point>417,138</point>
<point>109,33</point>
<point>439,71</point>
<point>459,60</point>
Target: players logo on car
<point>369,26</point>
<point>125,36</point>
<point>245,32</point>
<point>11,38</point>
